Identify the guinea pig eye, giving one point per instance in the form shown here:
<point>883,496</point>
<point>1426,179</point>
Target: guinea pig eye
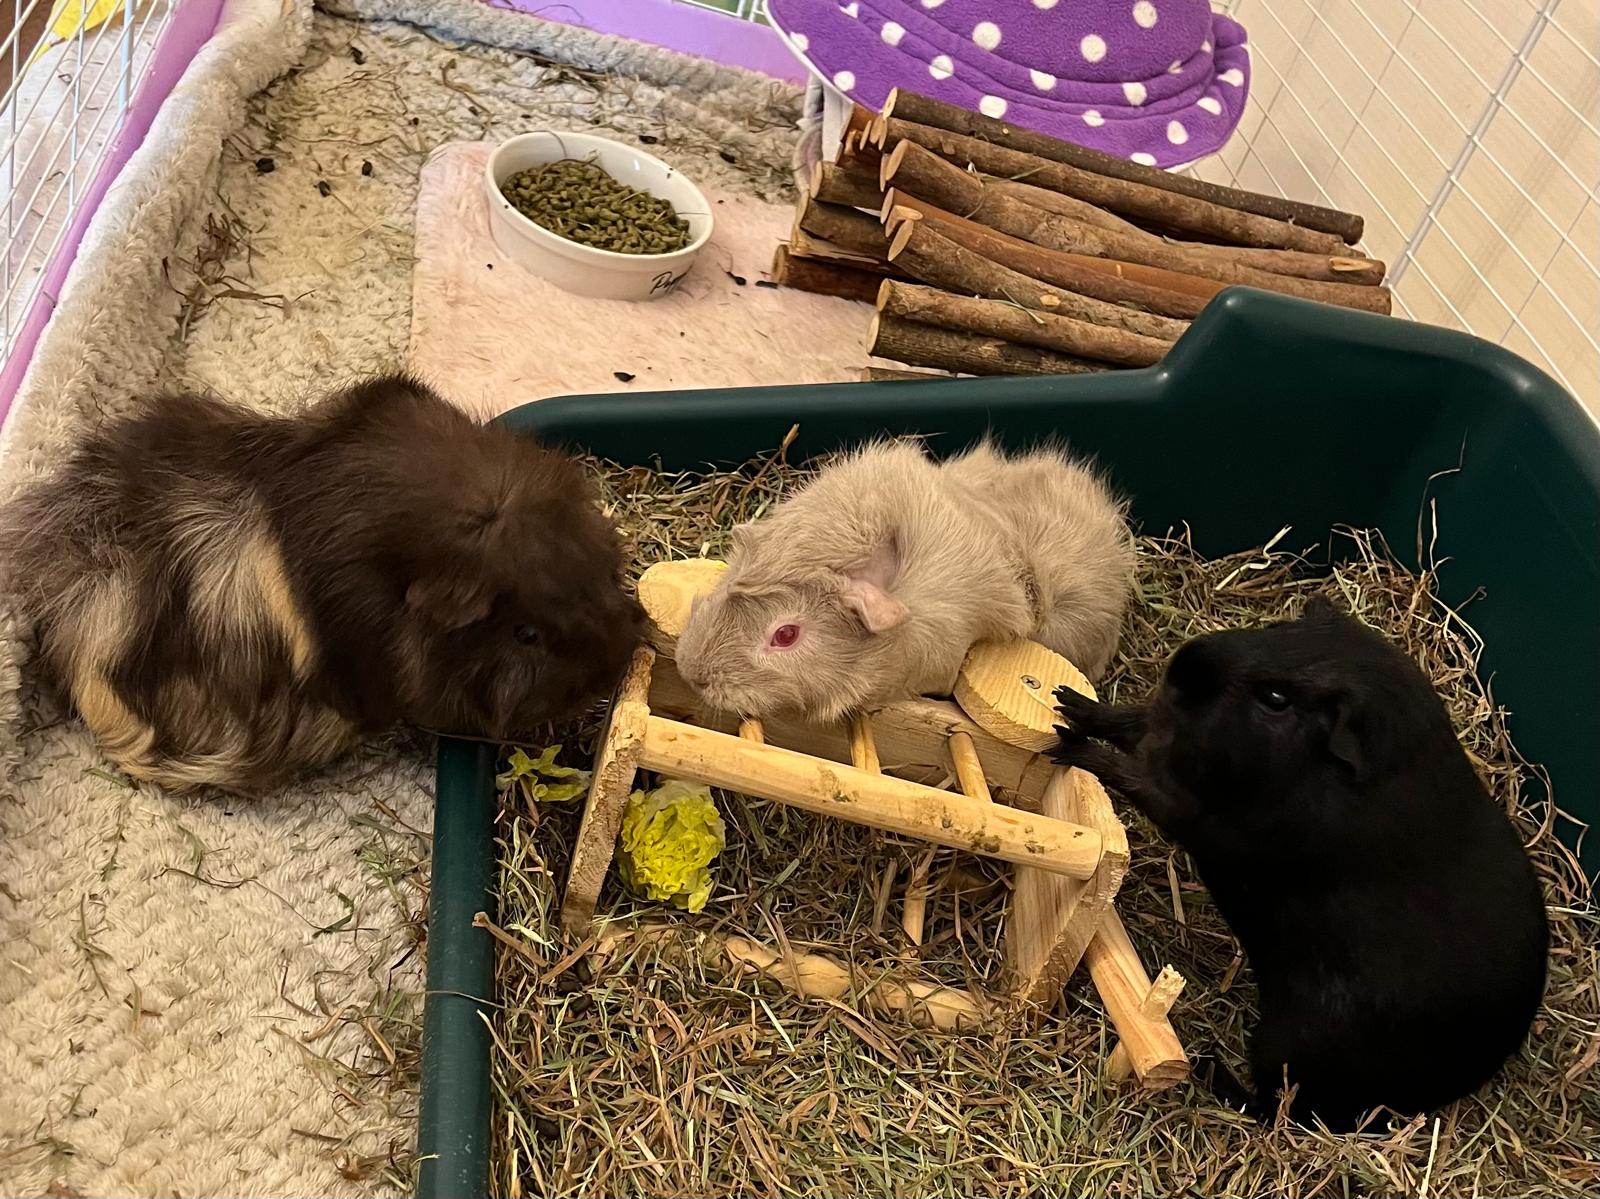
<point>784,636</point>
<point>526,634</point>
<point>1273,699</point>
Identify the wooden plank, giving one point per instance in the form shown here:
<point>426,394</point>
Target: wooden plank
<point>878,801</point>
<point>1052,919</point>
<point>1009,689</point>
<point>614,768</point>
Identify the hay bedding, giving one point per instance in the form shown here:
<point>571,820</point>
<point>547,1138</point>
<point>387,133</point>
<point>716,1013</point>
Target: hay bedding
<point>656,1075</point>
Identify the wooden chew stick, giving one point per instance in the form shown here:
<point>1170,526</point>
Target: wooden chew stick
<point>845,227</point>
<point>945,349</point>
<point>1138,201</point>
<point>1157,1003</point>
<point>1165,293</point>
<point>621,741</point>
<point>927,254</point>
<point>1075,237</point>
<point>912,168</point>
<point>924,111</point>
<point>824,278</point>
<point>1153,1048</point>
<point>856,152</point>
<point>818,976</point>
<point>859,121</point>
<point>997,318</point>
<point>1017,209</point>
<point>1043,197</point>
<point>853,187</point>
<point>878,801</point>
<point>815,249</point>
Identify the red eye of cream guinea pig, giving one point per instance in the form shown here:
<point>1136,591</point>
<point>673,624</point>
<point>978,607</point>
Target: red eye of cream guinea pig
<point>871,583</point>
<point>230,599</point>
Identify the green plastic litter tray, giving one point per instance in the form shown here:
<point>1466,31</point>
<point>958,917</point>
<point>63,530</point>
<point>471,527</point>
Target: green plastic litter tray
<point>1269,412</point>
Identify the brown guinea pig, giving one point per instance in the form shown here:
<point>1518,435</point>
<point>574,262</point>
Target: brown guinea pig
<point>231,598</point>
<point>872,582</point>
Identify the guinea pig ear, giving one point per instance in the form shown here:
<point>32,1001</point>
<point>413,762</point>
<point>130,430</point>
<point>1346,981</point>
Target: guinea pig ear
<point>1320,609</point>
<point>451,602</point>
<point>865,590</point>
<point>742,539</point>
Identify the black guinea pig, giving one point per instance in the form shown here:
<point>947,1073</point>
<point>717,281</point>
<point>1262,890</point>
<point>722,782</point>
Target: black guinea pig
<point>230,598</point>
<point>1385,904</point>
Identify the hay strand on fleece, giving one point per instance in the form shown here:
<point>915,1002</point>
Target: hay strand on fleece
<point>659,1074</point>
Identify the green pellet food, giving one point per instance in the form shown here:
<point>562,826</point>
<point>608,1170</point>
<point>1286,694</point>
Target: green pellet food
<point>575,199</point>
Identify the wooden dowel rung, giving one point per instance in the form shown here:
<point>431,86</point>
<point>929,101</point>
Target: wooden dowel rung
<point>876,800</point>
<point>1151,1048</point>
<point>1158,1001</point>
<point>969,769</point>
<point>914,916</point>
<point>863,749</point>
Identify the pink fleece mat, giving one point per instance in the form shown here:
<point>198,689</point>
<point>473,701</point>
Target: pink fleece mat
<point>492,336</point>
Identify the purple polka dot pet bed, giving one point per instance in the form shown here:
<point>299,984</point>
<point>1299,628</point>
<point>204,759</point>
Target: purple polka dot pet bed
<point>1162,82</point>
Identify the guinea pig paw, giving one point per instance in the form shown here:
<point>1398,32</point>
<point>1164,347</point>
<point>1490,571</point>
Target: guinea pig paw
<point>1070,748</point>
<point>1070,702</point>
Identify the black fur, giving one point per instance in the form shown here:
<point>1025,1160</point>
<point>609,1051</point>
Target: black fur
<point>1386,906</point>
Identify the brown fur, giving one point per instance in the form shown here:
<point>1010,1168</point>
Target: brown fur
<point>230,599</point>
<point>892,566</point>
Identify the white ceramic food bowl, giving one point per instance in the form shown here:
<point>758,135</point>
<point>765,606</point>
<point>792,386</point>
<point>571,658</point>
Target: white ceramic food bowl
<point>584,270</point>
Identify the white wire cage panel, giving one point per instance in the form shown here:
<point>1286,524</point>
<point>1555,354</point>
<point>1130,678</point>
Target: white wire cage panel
<point>1467,132</point>
<point>65,101</point>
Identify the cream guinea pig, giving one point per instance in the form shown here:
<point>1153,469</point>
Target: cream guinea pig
<point>871,583</point>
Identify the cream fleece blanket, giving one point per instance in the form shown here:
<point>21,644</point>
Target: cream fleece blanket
<point>202,997</point>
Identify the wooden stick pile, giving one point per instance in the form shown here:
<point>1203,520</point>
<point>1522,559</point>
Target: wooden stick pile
<point>993,250</point>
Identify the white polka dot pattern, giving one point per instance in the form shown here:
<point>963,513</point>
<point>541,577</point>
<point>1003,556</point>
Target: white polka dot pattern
<point>801,42</point>
<point>1176,133</point>
<point>892,33</point>
<point>1093,47</point>
<point>1135,92</point>
<point>1145,15</point>
<point>992,106</point>
<point>844,80</point>
<point>1143,159</point>
<point>986,34</point>
<point>1092,118</point>
<point>941,67</point>
<point>1233,76</point>
<point>1211,104</point>
<point>1042,80</point>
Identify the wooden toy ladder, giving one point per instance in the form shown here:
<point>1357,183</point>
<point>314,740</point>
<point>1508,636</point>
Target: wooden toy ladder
<point>1057,829</point>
